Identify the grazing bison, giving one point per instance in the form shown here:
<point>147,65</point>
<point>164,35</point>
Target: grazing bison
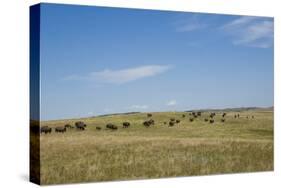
<point>222,120</point>
<point>253,117</point>
<point>198,113</point>
<point>60,129</point>
<point>165,122</point>
<point>68,126</point>
<point>151,121</point>
<point>149,115</point>
<point>172,119</point>
<point>212,115</point>
<point>111,126</point>
<point>171,123</point>
<point>206,119</point>
<point>191,119</point>
<point>98,128</point>
<point>178,121</point>
<point>183,116</point>
<point>46,129</point>
<point>238,115</point>
<point>212,121</point>
<point>224,114</point>
<point>126,124</point>
<point>146,123</point>
<point>80,125</point>
<point>235,116</point>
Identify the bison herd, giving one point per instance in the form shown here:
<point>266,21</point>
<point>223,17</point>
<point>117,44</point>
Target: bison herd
<point>79,125</point>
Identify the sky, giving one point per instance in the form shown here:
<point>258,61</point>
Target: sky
<point>98,60</point>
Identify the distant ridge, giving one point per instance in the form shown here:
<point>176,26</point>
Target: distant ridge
<point>234,109</point>
<point>115,114</point>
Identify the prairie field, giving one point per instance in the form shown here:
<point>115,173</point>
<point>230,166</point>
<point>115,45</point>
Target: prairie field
<point>138,152</point>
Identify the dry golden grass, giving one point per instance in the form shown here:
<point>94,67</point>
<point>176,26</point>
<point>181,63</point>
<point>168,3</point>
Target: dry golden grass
<point>188,148</point>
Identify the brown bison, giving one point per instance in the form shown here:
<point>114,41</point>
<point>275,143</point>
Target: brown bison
<point>126,124</point>
<point>212,121</point>
<point>224,114</point>
<point>80,125</point>
<point>151,121</point>
<point>178,121</point>
<point>183,116</point>
<point>148,123</point>
<point>171,123</point>
<point>222,120</point>
<point>149,115</point>
<point>111,126</point>
<point>212,115</point>
<point>191,119</point>
<point>45,129</point>
<point>98,128</point>
<point>206,119</point>
<point>60,129</point>
<point>68,126</point>
<point>172,119</point>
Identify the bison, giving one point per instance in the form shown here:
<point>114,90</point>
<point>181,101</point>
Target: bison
<point>172,119</point>
<point>98,128</point>
<point>80,125</point>
<point>151,121</point>
<point>68,126</point>
<point>171,123</point>
<point>183,116</point>
<point>60,129</point>
<point>191,119</point>
<point>126,124</point>
<point>146,123</point>
<point>46,129</point>
<point>222,120</point>
<point>178,121</point>
<point>224,114</point>
<point>111,126</point>
<point>206,119</point>
<point>149,115</point>
<point>212,121</point>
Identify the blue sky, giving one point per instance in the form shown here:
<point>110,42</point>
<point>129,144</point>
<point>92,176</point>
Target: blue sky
<point>97,60</point>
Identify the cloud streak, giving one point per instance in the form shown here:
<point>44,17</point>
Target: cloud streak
<point>251,31</point>
<point>171,103</point>
<point>191,23</point>
<point>139,107</point>
<point>123,75</point>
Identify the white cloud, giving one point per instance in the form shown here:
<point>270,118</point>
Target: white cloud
<point>123,75</point>
<point>139,107</point>
<point>190,27</point>
<point>251,31</point>
<point>190,23</point>
<point>171,103</point>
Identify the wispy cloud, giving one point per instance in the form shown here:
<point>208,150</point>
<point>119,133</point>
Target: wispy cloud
<point>251,31</point>
<point>123,75</point>
<point>139,107</point>
<point>171,103</point>
<point>190,23</point>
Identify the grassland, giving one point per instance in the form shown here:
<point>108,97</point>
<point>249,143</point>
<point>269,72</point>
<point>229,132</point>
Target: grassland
<point>187,149</point>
